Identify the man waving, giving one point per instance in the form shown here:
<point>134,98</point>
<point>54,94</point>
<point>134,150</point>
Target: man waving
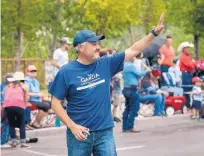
<point>89,118</point>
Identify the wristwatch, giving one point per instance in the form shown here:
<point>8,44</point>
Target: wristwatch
<point>154,33</point>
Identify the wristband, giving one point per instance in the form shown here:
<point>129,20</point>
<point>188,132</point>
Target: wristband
<point>154,33</point>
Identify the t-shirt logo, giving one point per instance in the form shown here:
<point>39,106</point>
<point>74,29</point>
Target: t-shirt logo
<point>90,81</point>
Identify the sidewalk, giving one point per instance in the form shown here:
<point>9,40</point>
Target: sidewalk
<point>141,124</point>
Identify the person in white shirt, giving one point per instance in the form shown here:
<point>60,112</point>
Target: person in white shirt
<point>176,73</point>
<point>140,63</point>
<point>60,56</point>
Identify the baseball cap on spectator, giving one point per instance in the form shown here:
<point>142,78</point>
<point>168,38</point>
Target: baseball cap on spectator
<point>86,36</point>
<point>8,75</point>
<point>196,79</point>
<point>184,45</point>
<point>65,40</point>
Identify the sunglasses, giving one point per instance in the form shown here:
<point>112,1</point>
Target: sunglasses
<point>33,71</point>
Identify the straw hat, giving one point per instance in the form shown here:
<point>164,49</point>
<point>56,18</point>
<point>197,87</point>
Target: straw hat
<point>184,45</point>
<point>17,76</point>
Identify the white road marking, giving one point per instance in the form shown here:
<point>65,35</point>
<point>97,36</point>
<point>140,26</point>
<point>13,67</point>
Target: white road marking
<point>117,149</point>
<point>128,148</point>
<point>38,153</point>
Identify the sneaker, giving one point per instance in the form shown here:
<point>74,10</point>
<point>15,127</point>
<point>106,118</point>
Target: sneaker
<point>13,144</point>
<point>193,117</point>
<point>24,145</point>
<point>5,146</point>
<point>197,117</point>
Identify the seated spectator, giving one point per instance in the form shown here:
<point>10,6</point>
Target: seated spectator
<point>36,95</point>
<point>150,93</point>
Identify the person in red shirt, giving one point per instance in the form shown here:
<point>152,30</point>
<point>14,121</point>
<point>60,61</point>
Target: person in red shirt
<point>167,56</point>
<point>187,68</point>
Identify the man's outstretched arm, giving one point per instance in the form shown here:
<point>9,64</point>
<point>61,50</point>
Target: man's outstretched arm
<point>140,45</point>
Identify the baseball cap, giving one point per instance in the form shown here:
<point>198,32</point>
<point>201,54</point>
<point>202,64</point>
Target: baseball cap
<point>86,36</point>
<point>65,40</point>
<point>196,79</point>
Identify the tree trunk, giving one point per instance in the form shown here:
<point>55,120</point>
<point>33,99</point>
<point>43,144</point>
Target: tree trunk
<point>19,52</point>
<point>54,42</point>
<point>196,41</point>
<point>131,35</point>
<point>20,38</point>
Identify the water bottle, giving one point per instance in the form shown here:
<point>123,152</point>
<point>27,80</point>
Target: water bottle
<point>57,122</point>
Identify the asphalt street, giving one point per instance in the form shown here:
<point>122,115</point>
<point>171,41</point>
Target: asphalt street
<point>175,139</point>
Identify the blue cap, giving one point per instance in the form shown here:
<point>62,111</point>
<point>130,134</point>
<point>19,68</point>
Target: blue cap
<point>86,36</point>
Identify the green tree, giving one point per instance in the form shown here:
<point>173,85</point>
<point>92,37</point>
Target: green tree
<point>190,17</point>
<point>20,20</point>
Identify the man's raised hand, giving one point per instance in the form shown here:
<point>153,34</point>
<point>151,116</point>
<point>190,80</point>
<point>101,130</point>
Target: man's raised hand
<point>160,25</point>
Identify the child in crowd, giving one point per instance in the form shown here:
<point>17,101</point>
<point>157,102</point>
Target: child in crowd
<point>197,98</point>
<point>117,93</point>
<point>174,70</point>
<point>15,98</point>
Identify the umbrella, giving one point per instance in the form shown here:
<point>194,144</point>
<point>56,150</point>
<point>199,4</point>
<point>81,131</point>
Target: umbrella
<point>153,49</point>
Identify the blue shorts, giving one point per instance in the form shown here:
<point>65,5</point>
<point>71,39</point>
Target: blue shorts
<point>196,104</point>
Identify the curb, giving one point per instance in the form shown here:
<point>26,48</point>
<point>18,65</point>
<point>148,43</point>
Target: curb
<point>145,123</point>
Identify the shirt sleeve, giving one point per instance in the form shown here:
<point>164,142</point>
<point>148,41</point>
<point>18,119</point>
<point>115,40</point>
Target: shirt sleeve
<point>28,85</point>
<point>56,55</point>
<point>116,63</point>
<point>139,74</point>
<point>59,86</point>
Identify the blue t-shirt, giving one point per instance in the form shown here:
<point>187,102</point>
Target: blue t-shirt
<point>87,90</point>
<point>130,74</point>
<point>34,87</point>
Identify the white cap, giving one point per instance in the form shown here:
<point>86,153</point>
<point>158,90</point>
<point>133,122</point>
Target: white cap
<point>17,76</point>
<point>184,45</point>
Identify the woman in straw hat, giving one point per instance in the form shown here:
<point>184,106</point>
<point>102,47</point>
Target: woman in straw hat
<point>16,96</point>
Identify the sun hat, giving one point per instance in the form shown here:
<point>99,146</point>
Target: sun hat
<point>184,45</point>
<point>17,76</point>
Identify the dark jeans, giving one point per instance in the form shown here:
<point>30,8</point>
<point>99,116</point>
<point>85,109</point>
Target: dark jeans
<point>27,115</point>
<point>187,80</point>
<point>132,105</point>
<point>15,117</point>
<point>163,69</point>
<point>100,143</point>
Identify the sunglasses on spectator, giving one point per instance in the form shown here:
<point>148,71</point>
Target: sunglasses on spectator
<point>32,71</point>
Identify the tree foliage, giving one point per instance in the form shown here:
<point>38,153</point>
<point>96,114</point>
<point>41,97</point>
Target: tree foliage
<point>44,22</point>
